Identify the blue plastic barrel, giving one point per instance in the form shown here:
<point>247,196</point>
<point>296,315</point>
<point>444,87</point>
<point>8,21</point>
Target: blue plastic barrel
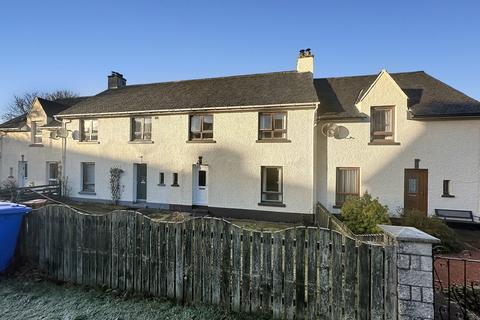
<point>11,215</point>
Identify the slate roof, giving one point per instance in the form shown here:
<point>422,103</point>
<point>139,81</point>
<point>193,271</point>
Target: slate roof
<point>288,87</point>
<point>428,97</point>
<point>15,123</point>
<point>52,124</point>
<point>53,108</point>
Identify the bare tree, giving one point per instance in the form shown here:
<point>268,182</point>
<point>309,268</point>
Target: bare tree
<point>22,104</point>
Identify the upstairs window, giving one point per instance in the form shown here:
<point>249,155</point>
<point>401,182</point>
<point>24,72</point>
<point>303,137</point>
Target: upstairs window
<point>273,125</point>
<point>272,185</point>
<point>201,127</point>
<point>382,120</point>
<point>348,184</point>
<point>141,128</point>
<point>36,132</point>
<point>89,130</point>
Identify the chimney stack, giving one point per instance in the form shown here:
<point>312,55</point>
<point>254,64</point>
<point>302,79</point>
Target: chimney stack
<point>116,80</point>
<point>305,61</point>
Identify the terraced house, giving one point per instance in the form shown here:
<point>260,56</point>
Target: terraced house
<point>267,146</point>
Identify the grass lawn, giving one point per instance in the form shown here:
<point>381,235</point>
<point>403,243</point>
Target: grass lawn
<point>175,216</point>
<point>23,298</point>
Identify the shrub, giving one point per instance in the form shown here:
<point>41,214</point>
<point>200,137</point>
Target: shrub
<point>10,185</point>
<point>433,226</point>
<point>363,214</point>
<point>115,187</point>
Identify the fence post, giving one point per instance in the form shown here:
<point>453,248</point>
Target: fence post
<point>415,292</point>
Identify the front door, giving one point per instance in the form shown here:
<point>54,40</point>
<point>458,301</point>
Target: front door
<point>200,185</point>
<point>141,182</point>
<point>22,173</point>
<point>416,190</point>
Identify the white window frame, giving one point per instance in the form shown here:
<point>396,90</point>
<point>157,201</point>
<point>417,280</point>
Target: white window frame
<point>264,191</point>
<point>90,135</point>
<point>142,129</point>
<point>84,185</point>
<point>51,181</point>
<point>343,194</point>
<point>37,136</point>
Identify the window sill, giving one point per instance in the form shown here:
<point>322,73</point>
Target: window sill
<point>448,196</point>
<point>272,204</point>
<point>161,184</point>
<point>36,145</point>
<point>384,143</point>
<point>88,142</point>
<point>273,141</point>
<point>140,142</point>
<point>89,193</point>
<point>201,141</point>
<point>175,185</point>
<point>337,207</point>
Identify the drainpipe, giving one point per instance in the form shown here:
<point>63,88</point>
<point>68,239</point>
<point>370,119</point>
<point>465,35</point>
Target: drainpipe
<point>2,134</point>
<point>64,153</point>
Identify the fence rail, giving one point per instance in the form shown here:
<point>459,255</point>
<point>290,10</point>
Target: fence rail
<point>29,193</point>
<point>324,219</point>
<point>457,288</point>
<point>302,272</point>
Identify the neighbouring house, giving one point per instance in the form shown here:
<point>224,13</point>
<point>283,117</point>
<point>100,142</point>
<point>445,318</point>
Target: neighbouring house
<point>266,146</point>
<point>29,155</point>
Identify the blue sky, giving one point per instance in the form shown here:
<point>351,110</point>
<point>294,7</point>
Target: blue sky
<point>48,45</point>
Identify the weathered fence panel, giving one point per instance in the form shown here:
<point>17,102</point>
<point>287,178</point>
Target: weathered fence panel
<point>312,273</point>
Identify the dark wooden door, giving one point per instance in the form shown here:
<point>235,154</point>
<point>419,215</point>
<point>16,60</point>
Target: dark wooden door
<point>141,182</point>
<point>416,190</point>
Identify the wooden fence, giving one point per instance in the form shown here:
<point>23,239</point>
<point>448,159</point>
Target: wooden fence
<point>29,193</point>
<point>324,219</point>
<point>302,272</point>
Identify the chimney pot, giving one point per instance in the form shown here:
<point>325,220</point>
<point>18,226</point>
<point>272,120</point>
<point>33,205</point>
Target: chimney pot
<point>305,61</point>
<point>116,80</point>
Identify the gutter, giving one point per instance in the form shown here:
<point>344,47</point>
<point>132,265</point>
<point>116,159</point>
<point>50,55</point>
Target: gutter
<point>474,116</point>
<point>191,110</point>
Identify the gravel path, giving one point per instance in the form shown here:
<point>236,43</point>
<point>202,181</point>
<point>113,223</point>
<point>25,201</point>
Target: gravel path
<point>22,298</point>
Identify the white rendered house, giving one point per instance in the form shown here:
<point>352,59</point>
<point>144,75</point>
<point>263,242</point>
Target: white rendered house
<point>270,146</point>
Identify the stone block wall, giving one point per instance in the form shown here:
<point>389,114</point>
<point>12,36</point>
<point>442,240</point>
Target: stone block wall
<point>415,292</point>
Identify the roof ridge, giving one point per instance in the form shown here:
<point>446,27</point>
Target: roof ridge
<point>369,75</point>
<point>203,79</point>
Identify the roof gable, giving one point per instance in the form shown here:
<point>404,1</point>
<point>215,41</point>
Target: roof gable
<point>382,76</point>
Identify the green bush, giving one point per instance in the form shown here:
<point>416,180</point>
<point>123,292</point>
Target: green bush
<point>433,226</point>
<point>363,214</point>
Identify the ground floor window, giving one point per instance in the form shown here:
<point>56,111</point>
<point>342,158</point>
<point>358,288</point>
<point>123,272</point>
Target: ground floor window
<point>52,173</point>
<point>348,184</point>
<point>272,184</point>
<point>88,176</point>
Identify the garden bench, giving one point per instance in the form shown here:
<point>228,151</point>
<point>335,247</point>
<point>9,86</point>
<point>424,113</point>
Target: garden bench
<point>458,216</point>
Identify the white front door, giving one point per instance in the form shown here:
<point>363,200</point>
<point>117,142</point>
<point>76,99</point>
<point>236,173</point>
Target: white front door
<point>22,173</point>
<point>200,185</point>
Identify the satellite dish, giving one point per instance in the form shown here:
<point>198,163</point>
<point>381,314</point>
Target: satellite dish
<point>53,135</point>
<point>76,135</point>
<point>328,129</point>
<point>341,132</point>
<point>62,133</point>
